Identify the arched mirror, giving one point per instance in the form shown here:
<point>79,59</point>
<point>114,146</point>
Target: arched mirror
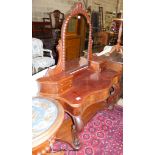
<point>76,35</point>
<point>76,41</point>
<point>75,45</point>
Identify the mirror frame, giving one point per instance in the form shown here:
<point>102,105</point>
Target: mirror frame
<point>60,67</point>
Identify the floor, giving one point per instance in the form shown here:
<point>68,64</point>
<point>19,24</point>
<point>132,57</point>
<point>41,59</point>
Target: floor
<point>103,135</point>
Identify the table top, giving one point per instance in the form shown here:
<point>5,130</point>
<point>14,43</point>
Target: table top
<point>47,116</point>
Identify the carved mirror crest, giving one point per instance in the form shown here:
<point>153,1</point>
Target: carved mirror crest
<point>75,45</point>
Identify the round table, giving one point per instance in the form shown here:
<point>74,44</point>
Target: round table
<point>47,117</point>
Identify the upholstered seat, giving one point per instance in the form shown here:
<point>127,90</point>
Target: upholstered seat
<point>44,114</point>
<point>38,58</point>
<point>47,117</point>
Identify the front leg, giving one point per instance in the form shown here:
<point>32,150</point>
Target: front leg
<point>76,128</point>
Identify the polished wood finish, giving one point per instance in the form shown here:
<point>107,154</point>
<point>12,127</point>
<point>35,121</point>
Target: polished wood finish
<point>38,30</point>
<point>58,19</point>
<point>53,25</point>
<point>75,40</point>
<point>72,47</point>
<point>62,42</point>
<point>118,47</point>
<point>83,91</point>
<point>120,33</point>
<point>55,20</point>
<point>117,31</point>
<point>102,38</point>
<point>65,131</point>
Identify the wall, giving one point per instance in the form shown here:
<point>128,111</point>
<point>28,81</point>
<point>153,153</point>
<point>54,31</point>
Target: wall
<point>41,7</point>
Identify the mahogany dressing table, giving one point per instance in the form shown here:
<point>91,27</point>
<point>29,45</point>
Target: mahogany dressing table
<point>82,89</point>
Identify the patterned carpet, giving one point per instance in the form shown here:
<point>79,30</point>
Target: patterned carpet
<point>103,135</point>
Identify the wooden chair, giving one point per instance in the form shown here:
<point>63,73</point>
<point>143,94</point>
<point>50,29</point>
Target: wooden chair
<point>54,21</point>
<point>53,25</point>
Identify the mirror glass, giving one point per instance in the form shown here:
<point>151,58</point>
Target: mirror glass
<point>76,42</point>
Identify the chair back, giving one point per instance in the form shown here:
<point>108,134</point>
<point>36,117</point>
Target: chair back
<point>56,19</point>
<point>37,48</point>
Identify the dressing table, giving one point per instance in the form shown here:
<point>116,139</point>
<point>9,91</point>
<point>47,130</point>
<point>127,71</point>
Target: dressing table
<point>81,88</point>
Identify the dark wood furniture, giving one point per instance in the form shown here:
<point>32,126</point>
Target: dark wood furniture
<point>102,39</point>
<point>45,34</point>
<point>118,47</point>
<point>83,90</point>
<point>38,30</point>
<point>55,18</point>
<point>115,26</point>
<point>54,21</point>
<point>54,25</point>
<point>46,28</point>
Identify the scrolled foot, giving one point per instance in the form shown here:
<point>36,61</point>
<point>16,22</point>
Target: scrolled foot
<point>76,141</point>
